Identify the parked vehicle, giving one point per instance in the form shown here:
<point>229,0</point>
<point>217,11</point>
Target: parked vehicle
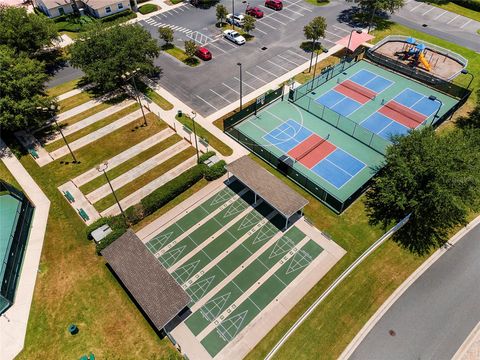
<point>235,19</point>
<point>255,12</point>
<point>274,4</point>
<point>203,53</point>
<point>234,36</point>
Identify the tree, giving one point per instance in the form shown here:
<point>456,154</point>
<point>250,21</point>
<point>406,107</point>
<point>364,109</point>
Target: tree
<point>472,120</point>
<point>166,34</point>
<point>248,23</point>
<point>315,30</point>
<point>23,103</point>
<point>221,13</point>
<point>106,53</point>
<point>190,48</point>
<point>368,8</point>
<point>25,32</point>
<point>434,179</point>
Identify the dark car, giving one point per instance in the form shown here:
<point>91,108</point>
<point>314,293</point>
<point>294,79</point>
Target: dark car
<point>274,4</point>
<point>255,12</point>
<point>203,53</point>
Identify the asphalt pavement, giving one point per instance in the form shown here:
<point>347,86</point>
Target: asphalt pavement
<point>436,313</point>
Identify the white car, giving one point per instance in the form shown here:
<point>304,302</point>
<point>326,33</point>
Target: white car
<point>234,36</point>
<point>236,19</point>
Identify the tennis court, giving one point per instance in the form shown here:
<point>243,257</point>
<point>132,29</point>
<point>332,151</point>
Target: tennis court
<point>233,258</point>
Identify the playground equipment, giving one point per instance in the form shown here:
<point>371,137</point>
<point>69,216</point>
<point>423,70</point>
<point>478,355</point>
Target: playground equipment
<point>416,53</point>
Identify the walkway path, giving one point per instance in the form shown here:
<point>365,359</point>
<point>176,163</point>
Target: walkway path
<point>13,325</point>
<point>136,196</point>
<point>80,202</point>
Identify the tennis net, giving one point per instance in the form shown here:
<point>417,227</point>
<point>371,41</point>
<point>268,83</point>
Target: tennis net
<point>359,89</point>
<point>311,148</point>
<point>404,111</point>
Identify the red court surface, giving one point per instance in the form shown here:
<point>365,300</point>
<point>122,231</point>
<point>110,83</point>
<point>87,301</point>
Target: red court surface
<point>402,114</point>
<point>312,150</point>
<point>355,91</point>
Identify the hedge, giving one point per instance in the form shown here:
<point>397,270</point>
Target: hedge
<point>116,223</point>
<point>215,171</point>
<point>147,8</point>
<point>124,15</point>
<point>206,156</point>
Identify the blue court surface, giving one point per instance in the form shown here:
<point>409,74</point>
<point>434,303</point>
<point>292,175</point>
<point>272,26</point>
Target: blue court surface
<point>338,102</point>
<point>418,102</point>
<point>288,135</point>
<point>371,81</point>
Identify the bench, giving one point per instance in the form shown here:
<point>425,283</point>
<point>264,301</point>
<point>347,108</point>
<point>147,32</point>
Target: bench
<point>69,196</point>
<point>33,153</point>
<point>83,214</point>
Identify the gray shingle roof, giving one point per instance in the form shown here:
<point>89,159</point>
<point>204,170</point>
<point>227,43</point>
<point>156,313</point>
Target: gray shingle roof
<point>267,186</point>
<point>154,289</point>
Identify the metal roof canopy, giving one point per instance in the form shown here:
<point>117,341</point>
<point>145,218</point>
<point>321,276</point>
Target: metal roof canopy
<point>264,184</point>
<point>154,289</point>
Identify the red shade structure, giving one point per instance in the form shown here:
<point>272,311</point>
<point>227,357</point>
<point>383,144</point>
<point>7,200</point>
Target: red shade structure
<point>356,41</point>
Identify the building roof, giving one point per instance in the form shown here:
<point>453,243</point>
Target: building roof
<point>94,4</point>
<point>267,186</point>
<point>154,289</point>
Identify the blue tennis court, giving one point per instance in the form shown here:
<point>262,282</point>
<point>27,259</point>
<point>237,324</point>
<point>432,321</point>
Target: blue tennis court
<point>371,81</point>
<point>418,102</point>
<point>338,102</point>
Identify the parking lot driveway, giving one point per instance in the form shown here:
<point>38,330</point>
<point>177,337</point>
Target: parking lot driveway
<point>274,51</point>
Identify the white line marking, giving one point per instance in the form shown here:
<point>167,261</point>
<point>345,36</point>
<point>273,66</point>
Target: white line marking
<point>339,28</point>
<point>256,77</point>
<point>414,8</point>
<point>175,11</point>
<point>165,16</point>
<point>271,62</point>
<point>439,16</point>
<point>426,12</point>
<point>244,83</point>
<point>329,32</point>
<point>263,32</point>
<point>266,71</point>
<point>271,18</point>
<point>231,88</point>
<point>270,26</point>
<point>294,53</point>
<point>288,17</point>
<point>295,12</point>
<point>468,22</point>
<point>301,7</point>
<point>224,98</point>
<point>219,48</point>
<point>453,19</point>
<point>206,102</point>
<point>290,61</point>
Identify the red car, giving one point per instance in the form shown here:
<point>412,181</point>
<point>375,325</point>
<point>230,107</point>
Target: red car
<point>203,53</point>
<point>255,12</point>
<point>274,4</point>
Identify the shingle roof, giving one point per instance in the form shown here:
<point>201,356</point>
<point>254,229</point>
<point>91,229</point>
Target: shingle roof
<point>154,289</point>
<point>267,186</point>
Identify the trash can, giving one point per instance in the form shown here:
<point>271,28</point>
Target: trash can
<point>72,329</point>
<point>179,113</point>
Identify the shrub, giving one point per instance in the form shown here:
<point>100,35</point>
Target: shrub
<point>147,8</point>
<point>116,223</point>
<point>215,171</point>
<point>124,15</point>
<point>206,156</point>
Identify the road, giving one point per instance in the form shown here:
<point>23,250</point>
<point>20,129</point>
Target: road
<point>435,314</point>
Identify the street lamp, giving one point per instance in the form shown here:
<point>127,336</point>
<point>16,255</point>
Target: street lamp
<point>465,72</point>
<point>358,31</point>
<point>127,76</point>
<point>434,98</point>
<point>233,13</point>
<point>194,114</point>
<point>53,108</point>
<point>103,168</point>
<point>241,84</point>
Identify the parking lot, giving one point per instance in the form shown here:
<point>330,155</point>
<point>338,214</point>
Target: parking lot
<point>274,51</point>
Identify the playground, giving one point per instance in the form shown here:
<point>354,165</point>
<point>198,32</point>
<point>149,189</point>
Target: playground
<point>237,264</point>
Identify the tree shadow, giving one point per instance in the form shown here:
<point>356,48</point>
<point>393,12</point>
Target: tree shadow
<point>308,46</point>
<point>356,18</point>
<point>204,4</point>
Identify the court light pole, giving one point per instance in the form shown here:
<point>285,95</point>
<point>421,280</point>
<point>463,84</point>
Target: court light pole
<point>127,76</point>
<point>434,98</point>
<point>241,84</point>
<point>194,114</point>
<point>103,168</point>
<point>358,31</point>
<point>466,72</point>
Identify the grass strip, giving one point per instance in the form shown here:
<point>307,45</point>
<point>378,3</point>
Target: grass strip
<point>180,54</point>
<point>74,101</point>
<point>93,127</point>
<point>458,9</point>
<point>130,164</point>
<point>144,179</point>
<point>63,88</point>
<point>158,99</point>
<point>215,142</point>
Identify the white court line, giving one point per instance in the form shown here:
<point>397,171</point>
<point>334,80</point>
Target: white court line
<point>223,97</point>
<point>439,16</point>
<point>266,71</point>
<point>453,19</point>
<point>414,8</point>
<point>280,66</point>
<point>294,53</point>
<point>468,22</point>
<point>206,102</point>
<point>270,26</point>
<point>256,77</point>
<point>290,61</point>
<point>244,83</point>
<point>231,88</point>
<point>426,12</point>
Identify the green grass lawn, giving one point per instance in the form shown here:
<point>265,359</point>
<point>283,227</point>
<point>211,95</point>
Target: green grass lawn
<point>450,6</point>
<point>130,164</point>
<point>180,54</point>
<point>144,179</point>
<point>7,176</point>
<point>148,8</point>
<point>318,3</point>
<point>63,88</point>
<point>74,101</point>
<point>93,127</point>
<point>155,97</point>
<point>216,143</point>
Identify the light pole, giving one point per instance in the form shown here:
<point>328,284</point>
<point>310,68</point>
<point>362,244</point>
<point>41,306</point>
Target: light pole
<point>127,76</point>
<point>465,72</point>
<point>241,84</point>
<point>358,31</point>
<point>314,70</point>
<point>103,168</point>
<point>54,108</point>
<point>194,114</point>
<point>314,47</point>
<point>233,13</point>
<point>371,20</point>
<point>434,98</point>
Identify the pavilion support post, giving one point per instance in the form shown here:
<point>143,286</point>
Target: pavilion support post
<point>286,222</point>
<point>255,199</point>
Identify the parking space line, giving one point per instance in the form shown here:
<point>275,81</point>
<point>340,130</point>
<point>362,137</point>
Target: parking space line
<point>280,66</point>
<point>224,98</point>
<point>270,26</point>
<point>294,53</point>
<point>231,88</point>
<point>468,22</point>
<point>229,43</point>
<point>263,32</point>
<point>219,48</point>
<point>301,7</point>
<point>415,7</point>
<point>206,102</point>
<point>165,16</point>
<point>426,12</point>
<point>256,77</point>
<point>453,19</point>
<point>268,72</point>
<point>295,12</point>
<point>438,17</point>
<point>288,17</point>
<point>175,11</point>
<point>271,18</point>
<point>329,32</point>
<point>341,29</point>
<point>290,61</point>
<point>244,83</point>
